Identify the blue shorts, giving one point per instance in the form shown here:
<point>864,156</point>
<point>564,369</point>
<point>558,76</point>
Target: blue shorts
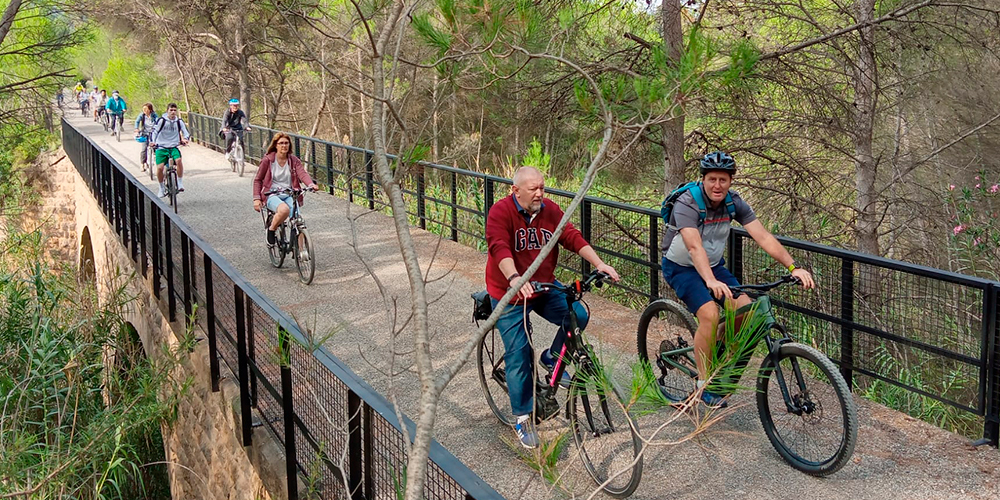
<point>689,286</point>
<point>275,200</point>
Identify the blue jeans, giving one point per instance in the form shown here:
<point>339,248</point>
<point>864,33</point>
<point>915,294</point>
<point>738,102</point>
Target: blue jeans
<point>519,359</point>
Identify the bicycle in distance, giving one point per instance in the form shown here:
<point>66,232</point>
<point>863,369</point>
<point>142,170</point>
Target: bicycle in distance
<point>235,153</point>
<point>603,429</point>
<point>804,404</point>
<point>147,157</point>
<point>291,237</point>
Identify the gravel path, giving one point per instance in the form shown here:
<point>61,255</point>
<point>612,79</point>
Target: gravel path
<point>896,457</point>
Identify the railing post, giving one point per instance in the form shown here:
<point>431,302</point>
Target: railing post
<point>585,228</point>
<point>367,451</point>
<point>990,374</point>
<point>169,255</point>
<point>251,354</point>
<point>735,262</point>
<point>156,220</point>
<point>133,222</point>
<point>143,241</point>
<point>186,280</point>
<point>454,206</point>
<point>289,414</point>
<point>847,314</point>
<point>654,258</point>
<point>421,200</point>
<point>312,155</point>
<point>213,346</point>
<point>487,200</point>
<point>244,365</point>
<point>329,168</point>
<point>369,180</point>
<point>298,147</point>
<point>350,178</point>
<point>354,453</point>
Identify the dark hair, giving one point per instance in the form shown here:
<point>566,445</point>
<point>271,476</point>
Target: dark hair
<point>172,105</point>
<point>150,106</point>
<point>274,143</point>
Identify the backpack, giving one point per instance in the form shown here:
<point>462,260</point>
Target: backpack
<point>667,207</point>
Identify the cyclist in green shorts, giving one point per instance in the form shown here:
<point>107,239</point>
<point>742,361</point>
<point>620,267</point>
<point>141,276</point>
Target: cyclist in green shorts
<point>168,133</point>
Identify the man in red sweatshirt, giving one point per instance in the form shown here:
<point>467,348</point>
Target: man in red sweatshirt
<point>517,228</point>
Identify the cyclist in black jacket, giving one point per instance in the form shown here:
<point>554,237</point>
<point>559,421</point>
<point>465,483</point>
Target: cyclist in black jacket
<point>233,125</point>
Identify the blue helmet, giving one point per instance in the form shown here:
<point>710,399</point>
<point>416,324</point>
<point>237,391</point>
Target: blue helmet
<point>234,101</point>
<point>717,161</point>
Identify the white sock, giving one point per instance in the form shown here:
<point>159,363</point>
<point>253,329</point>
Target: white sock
<point>180,182</point>
<point>163,186</point>
<point>523,418</point>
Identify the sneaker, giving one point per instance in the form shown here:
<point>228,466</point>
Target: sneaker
<point>162,192</point>
<point>180,185</point>
<point>270,238</point>
<point>525,430</point>
<point>713,400</point>
<point>550,364</point>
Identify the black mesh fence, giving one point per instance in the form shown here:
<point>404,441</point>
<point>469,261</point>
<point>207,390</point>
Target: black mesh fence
<point>329,422</point>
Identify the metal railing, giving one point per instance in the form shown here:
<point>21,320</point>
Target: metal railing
<point>313,403</point>
<point>926,331</point>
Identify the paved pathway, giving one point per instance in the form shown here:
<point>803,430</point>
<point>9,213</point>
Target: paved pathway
<point>896,456</point>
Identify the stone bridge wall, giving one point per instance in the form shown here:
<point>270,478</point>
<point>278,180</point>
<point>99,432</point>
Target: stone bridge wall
<point>203,446</point>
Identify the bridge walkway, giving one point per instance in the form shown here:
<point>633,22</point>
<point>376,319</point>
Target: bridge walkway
<point>896,456</point>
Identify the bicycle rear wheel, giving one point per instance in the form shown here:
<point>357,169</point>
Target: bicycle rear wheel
<point>304,257</point>
<point>666,326</point>
<point>151,161</point>
<point>604,431</point>
<point>817,436</point>
<point>275,251</point>
<point>493,376</point>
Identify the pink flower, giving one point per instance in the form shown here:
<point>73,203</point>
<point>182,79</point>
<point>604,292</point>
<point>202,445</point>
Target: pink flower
<point>977,186</point>
<point>994,188</point>
<point>977,177</point>
<point>951,187</point>
<point>978,241</point>
<point>958,229</point>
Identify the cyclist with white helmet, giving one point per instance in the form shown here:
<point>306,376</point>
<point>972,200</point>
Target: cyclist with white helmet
<point>233,125</point>
<point>693,265</point>
<point>116,108</point>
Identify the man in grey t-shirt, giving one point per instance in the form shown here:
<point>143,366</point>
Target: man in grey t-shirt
<point>693,264</point>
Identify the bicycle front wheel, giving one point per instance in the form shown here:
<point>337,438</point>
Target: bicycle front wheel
<point>818,433</point>
<point>305,259</point>
<point>275,252</point>
<point>240,163</point>
<point>172,188</point>
<point>605,433</point>
<point>493,376</point>
<point>664,327</point>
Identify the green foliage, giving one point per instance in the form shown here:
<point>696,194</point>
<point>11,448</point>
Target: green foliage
<point>974,238</point>
<point>537,158</point>
<point>80,408</point>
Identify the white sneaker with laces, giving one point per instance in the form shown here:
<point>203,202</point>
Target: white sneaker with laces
<point>180,185</point>
<point>162,192</point>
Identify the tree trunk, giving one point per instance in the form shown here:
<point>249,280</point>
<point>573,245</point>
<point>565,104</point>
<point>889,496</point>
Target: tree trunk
<point>184,89</point>
<point>244,71</point>
<point>8,18</point>
<point>436,96</point>
<point>673,130</point>
<point>865,78</point>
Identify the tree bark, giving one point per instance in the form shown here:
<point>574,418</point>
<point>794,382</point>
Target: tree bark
<point>8,18</point>
<point>244,71</point>
<point>436,98</point>
<point>184,89</point>
<point>673,130</point>
<point>865,85</point>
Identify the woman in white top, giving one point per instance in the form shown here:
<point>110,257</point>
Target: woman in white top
<point>279,169</point>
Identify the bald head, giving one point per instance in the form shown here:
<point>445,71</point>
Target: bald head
<point>529,188</point>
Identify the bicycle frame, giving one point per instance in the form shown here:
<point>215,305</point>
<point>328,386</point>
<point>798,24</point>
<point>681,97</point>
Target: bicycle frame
<point>294,221</point>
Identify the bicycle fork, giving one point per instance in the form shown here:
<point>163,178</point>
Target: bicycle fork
<point>800,403</point>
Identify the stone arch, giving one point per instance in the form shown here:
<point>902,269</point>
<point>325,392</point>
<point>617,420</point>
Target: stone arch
<point>88,271</point>
<point>121,358</point>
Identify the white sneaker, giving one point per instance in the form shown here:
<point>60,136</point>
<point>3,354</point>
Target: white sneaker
<point>180,185</point>
<point>162,192</point>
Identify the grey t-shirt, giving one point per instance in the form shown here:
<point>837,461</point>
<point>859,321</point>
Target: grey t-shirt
<point>714,232</point>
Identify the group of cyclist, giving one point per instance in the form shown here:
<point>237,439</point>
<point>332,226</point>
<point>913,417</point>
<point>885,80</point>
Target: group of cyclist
<point>519,226</point>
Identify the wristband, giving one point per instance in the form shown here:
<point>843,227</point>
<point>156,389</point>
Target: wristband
<point>511,277</point>
<point>791,267</point>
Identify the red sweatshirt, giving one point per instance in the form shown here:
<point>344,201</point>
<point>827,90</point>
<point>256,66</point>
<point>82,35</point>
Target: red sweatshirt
<point>509,235</point>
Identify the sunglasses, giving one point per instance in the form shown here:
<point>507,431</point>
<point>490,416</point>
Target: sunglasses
<point>284,143</point>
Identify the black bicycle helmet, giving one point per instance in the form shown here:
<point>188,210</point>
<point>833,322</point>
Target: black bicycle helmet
<point>718,161</point>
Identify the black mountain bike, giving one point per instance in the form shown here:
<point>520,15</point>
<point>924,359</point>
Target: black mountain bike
<point>603,430</point>
<point>170,182</point>
<point>291,237</point>
<point>804,403</point>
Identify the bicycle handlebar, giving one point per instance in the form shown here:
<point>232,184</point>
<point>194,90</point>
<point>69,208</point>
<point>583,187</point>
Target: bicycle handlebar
<point>766,287</point>
<point>293,192</point>
<point>595,278</point>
